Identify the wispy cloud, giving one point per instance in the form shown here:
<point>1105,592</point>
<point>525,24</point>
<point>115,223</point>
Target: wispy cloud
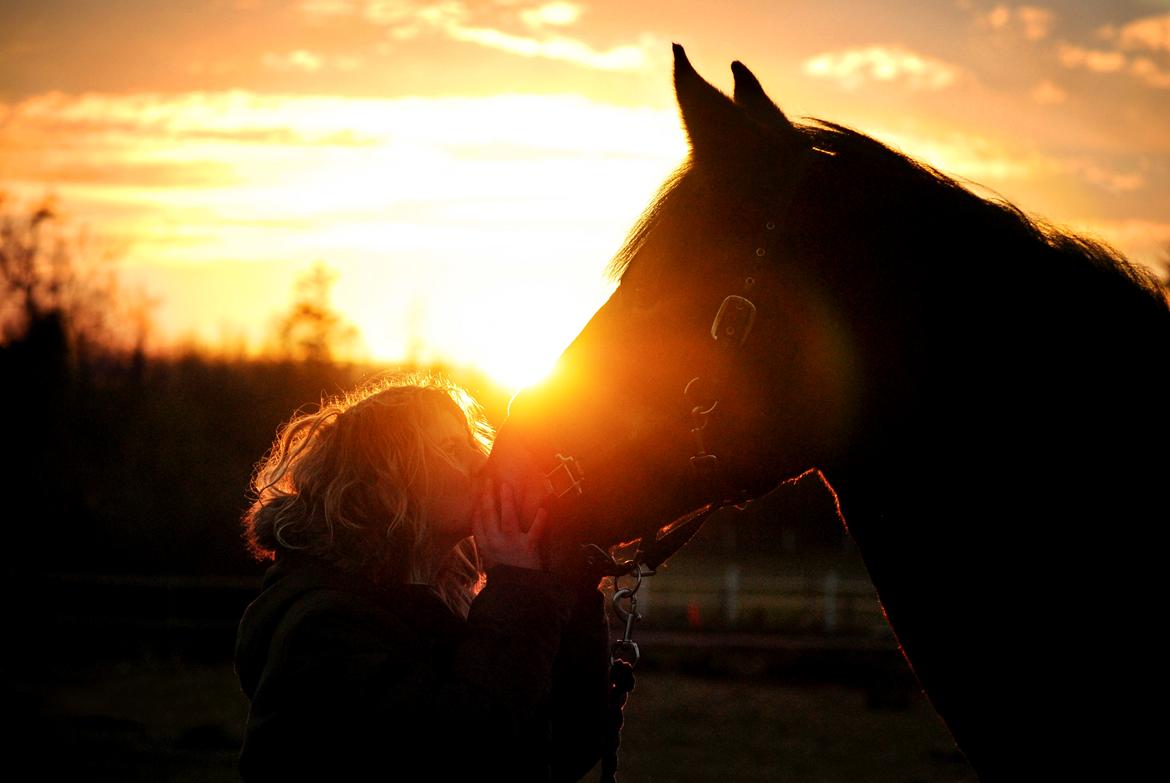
<point>305,61</point>
<point>212,132</point>
<point>1097,60</point>
<point>402,195</point>
<point>852,68</point>
<point>1033,22</point>
<point>1129,50</point>
<point>525,29</point>
<point>103,122</point>
<point>1104,176</point>
<point>628,57</point>
<point>1149,72</point>
<point>1049,93</point>
<point>232,136</point>
<point>1139,67</point>
<point>297,60</point>
<point>1150,32</point>
<point>556,14</point>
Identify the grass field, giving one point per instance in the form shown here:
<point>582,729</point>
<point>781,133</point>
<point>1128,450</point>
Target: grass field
<point>684,728</point>
<point>165,720</point>
<point>778,696</point>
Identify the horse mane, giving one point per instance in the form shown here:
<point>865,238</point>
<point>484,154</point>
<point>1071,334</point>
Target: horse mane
<point>872,161</point>
<point>649,221</point>
<point>861,163</point>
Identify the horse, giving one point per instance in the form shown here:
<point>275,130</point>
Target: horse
<point>983,392</point>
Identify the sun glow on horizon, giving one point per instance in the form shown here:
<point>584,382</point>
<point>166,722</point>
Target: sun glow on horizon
<point>514,333</point>
<point>467,173</point>
<point>467,231</point>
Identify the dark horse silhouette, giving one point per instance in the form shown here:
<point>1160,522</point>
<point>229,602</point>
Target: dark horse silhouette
<point>985,394</point>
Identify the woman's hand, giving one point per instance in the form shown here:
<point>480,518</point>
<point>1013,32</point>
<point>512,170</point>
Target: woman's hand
<point>500,537</point>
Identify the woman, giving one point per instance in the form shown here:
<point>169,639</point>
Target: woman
<point>378,646</point>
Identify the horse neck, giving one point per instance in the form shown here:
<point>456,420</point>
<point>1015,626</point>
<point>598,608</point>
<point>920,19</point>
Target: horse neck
<point>982,378</point>
<point>914,344</point>
<point>843,364</point>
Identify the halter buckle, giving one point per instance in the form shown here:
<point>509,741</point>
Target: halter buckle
<point>705,466</point>
<point>566,477</point>
<point>734,319</point>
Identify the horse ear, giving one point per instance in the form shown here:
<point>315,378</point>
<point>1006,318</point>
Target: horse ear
<point>751,97</point>
<point>712,120</point>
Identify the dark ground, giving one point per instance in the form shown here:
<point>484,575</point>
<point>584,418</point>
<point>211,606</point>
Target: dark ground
<point>128,678</point>
<point>155,719</point>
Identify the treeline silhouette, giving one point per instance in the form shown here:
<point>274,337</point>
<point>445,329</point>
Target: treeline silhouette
<point>122,460</point>
<point>141,464</point>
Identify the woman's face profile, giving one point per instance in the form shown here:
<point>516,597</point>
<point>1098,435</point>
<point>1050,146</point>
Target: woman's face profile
<point>454,467</point>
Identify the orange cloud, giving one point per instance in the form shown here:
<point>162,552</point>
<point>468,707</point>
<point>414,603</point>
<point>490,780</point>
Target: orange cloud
<point>1048,93</point>
<point>629,57</point>
<point>1141,68</point>
<point>1151,32</point>
<point>1098,60</point>
<point>297,60</point>
<point>454,202</point>
<point>851,68</point>
<point>555,13</point>
<point>1105,177</point>
<point>1033,21</point>
<point>487,25</point>
<point>1148,71</point>
<point>307,62</point>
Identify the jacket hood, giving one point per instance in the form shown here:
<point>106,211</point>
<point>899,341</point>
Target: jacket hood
<point>293,576</point>
<point>283,585</point>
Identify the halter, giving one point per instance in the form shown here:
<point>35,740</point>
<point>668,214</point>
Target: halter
<point>730,328</point>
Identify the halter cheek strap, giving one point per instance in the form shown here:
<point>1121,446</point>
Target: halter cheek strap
<point>730,329</point>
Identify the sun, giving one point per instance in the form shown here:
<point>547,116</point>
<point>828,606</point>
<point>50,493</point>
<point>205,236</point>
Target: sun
<point>516,333</point>
<point>512,327</point>
<point>514,370</point>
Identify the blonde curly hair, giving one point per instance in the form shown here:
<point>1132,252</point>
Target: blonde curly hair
<point>348,482</point>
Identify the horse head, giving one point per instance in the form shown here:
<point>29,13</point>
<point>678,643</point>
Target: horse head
<point>718,367</point>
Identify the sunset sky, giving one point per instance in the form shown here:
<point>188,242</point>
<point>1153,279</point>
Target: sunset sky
<point>469,167</point>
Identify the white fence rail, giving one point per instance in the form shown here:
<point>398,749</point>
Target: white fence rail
<point>732,597</point>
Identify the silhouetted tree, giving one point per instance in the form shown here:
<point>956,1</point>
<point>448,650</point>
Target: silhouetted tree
<point>312,330</point>
<point>59,285</point>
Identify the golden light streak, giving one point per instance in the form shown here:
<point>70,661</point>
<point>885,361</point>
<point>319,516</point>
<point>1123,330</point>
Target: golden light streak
<point>468,231</point>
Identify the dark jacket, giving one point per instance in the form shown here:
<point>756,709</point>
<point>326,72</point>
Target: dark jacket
<point>347,679</point>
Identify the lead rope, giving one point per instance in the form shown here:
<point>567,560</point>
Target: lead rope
<point>624,653</point>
